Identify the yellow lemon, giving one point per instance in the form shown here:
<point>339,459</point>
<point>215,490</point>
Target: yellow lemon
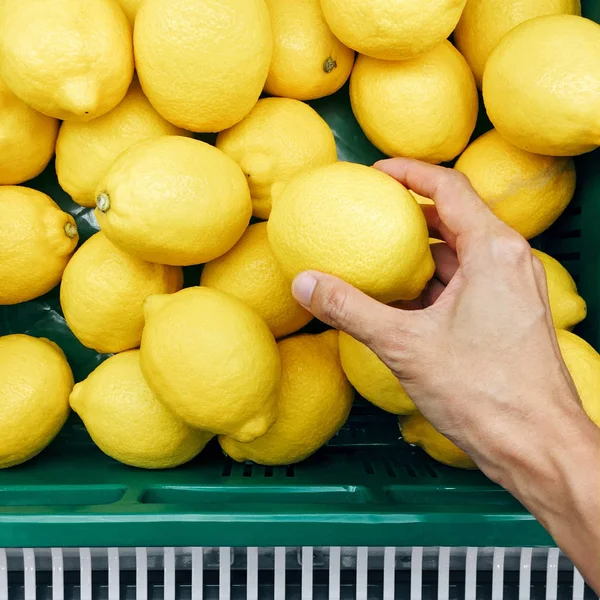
<point>354,222</point>
<point>417,430</point>
<point>423,108</point>
<point>250,272</point>
<point>313,404</point>
<point>36,241</point>
<point>86,150</point>
<point>130,8</point>
<point>173,200</point>
<point>484,22</point>
<point>372,379</point>
<point>103,291</point>
<point>127,422</point>
<point>583,363</point>
<point>527,191</point>
<point>27,139</point>
<point>66,58</point>
<point>396,30</point>
<point>212,360</point>
<point>547,104</point>
<point>567,307</point>
<point>308,60</point>
<point>421,199</point>
<point>279,138</point>
<point>203,64</point>
<point>35,383</point>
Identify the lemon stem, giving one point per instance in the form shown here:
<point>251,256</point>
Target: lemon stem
<point>71,230</point>
<point>329,65</point>
<point>103,202</point>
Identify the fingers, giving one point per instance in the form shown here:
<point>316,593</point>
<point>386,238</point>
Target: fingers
<point>437,228</point>
<point>446,262</point>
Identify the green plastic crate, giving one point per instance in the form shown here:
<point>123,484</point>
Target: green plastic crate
<point>366,487</point>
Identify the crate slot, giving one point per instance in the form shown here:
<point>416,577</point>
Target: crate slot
<point>248,469</point>
<point>290,471</point>
<point>268,471</point>
<point>227,468</point>
<point>369,469</point>
<point>61,496</point>
<point>567,235</point>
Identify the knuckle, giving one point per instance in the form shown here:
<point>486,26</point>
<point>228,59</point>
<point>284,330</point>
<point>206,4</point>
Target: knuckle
<point>334,305</point>
<point>512,249</point>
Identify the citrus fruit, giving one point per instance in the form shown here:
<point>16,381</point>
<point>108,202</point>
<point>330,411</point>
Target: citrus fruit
<point>130,8</point>
<point>173,200</point>
<point>277,139</point>
<point>423,108</point>
<point>313,404</point>
<point>396,30</point>
<point>527,191</point>
<point>203,64</point>
<point>67,59</point>
<point>356,223</point>
<point>35,383</point>
<point>86,150</point>
<point>103,291</point>
<point>547,104</point>
<point>250,272</point>
<point>308,60</point>
<point>212,360</point>
<point>484,22</point>
<point>36,241</point>
<point>127,422</point>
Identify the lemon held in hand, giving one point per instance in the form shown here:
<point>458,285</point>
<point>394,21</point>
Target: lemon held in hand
<point>313,404</point>
<point>35,383</point>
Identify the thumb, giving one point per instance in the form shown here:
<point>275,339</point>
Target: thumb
<point>342,306</point>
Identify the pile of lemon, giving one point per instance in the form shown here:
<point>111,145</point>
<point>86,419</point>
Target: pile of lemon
<point>224,358</point>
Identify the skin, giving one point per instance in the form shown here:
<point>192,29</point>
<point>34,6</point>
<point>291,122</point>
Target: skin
<point>478,355</point>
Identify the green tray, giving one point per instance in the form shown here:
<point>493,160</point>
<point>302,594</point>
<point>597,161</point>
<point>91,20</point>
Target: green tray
<point>366,487</point>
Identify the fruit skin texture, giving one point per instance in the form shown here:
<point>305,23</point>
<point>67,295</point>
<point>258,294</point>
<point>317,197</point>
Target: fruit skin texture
<point>277,139</point>
<point>86,150</point>
<point>567,307</point>
<point>356,223</point>
<point>372,379</point>
<point>126,420</point>
<point>212,360</point>
<point>308,60</point>
<point>417,430</point>
<point>527,191</point>
<point>396,30</point>
<point>557,87</point>
<point>67,59</point>
<point>35,383</point>
<point>203,63</point>
<point>583,362</point>
<point>103,291</point>
<point>250,272</point>
<point>174,200</point>
<point>27,139</point>
<point>484,22</point>
<point>36,241</point>
<point>314,402</point>
<point>130,8</point>
<point>394,103</point>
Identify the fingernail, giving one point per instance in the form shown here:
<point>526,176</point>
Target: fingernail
<point>303,287</point>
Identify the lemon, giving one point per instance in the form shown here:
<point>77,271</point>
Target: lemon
<point>27,139</point>
<point>86,150</point>
<point>396,30</point>
<point>423,108</point>
<point>130,8</point>
<point>250,272</point>
<point>35,383</point>
<point>36,241</point>
<point>372,379</point>
<point>203,64</point>
<point>527,191</point>
<point>212,360</point>
<point>173,200</point>
<point>421,199</point>
<point>67,59</point>
<point>583,362</point>
<point>279,138</point>
<point>354,222</point>
<point>567,307</point>
<point>417,430</point>
<point>103,291</point>
<point>484,22</point>
<point>547,104</point>
<point>127,422</point>
<point>308,60</point>
<point>313,404</point>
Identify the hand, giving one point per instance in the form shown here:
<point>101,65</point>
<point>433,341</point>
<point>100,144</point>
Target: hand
<point>477,351</point>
